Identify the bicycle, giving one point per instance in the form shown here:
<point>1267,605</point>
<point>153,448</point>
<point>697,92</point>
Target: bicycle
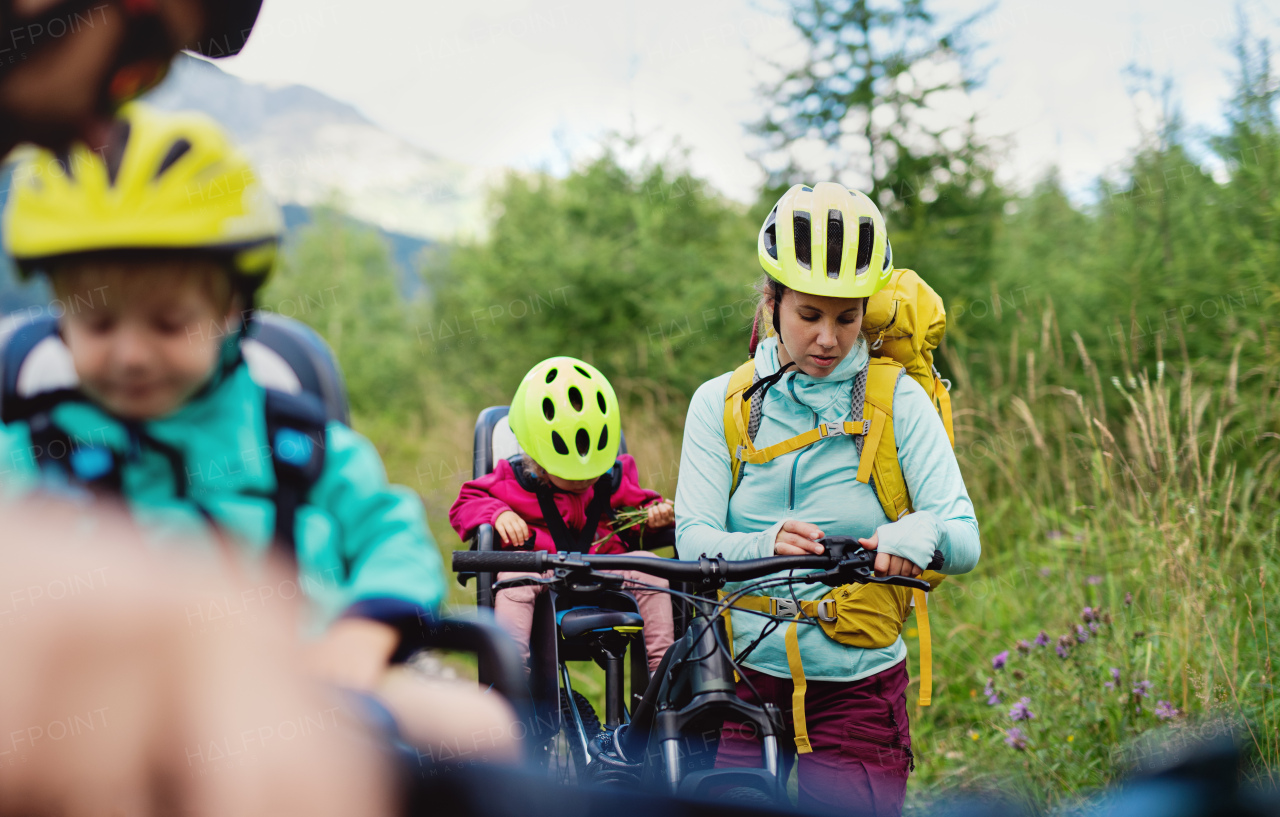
<point>694,690</point>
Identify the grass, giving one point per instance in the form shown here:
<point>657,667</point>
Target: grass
<point>1150,496</point>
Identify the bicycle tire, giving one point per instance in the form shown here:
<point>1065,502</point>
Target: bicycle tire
<point>590,724</point>
<point>748,796</point>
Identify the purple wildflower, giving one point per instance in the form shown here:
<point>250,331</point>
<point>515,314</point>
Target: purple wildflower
<point>1024,646</point>
<point>1165,710</point>
<point>1094,580</point>
<point>1088,614</point>
<point>999,660</point>
<point>1128,599</point>
<point>1093,626</point>
<point>1061,651</point>
<point>1021,711</point>
<point>1082,635</point>
<point>1015,739</point>
<point>1054,535</point>
<point>1141,689</point>
<point>1046,572</point>
<point>1115,678</point>
<point>993,697</point>
<point>1064,646</point>
<point>1042,640</point>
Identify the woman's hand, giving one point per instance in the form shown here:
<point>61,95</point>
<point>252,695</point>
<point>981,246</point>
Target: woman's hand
<point>797,539</point>
<point>511,528</point>
<point>887,564</point>
<point>661,515</point>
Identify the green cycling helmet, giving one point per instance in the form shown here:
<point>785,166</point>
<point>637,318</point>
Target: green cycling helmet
<point>565,415</point>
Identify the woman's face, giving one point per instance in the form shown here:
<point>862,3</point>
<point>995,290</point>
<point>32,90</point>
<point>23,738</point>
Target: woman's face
<point>817,330</point>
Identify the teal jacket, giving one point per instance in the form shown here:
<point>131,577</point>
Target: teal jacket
<point>363,547</point>
<point>817,485</point>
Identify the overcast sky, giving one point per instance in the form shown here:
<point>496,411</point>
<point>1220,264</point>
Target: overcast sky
<point>535,83</point>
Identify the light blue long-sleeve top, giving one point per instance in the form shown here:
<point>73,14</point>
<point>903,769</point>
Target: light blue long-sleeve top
<point>817,484</point>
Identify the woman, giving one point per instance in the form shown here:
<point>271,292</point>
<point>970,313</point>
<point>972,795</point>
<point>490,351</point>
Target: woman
<point>819,273</point>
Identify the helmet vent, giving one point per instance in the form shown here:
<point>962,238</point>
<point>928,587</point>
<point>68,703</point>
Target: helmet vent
<point>176,151</point>
<point>548,408</point>
<point>583,442</point>
<point>803,232</point>
<point>835,242</point>
<point>771,233</point>
<point>888,255</point>
<point>604,409</point>
<point>64,161</point>
<point>558,442</point>
<point>583,372</point>
<point>866,240</point>
<point>551,375</point>
<point>604,438</point>
<point>575,398</point>
<point>771,240</point>
<point>113,155</point>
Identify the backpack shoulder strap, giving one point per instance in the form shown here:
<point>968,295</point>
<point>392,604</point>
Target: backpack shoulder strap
<point>296,434</point>
<point>735,423</point>
<point>18,346</point>
<point>879,449</point>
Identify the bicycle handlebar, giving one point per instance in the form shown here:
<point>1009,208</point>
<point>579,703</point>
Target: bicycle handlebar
<point>843,554</point>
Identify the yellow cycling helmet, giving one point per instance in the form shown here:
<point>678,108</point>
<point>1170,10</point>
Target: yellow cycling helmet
<point>565,415</point>
<point>170,181</point>
<point>826,240</point>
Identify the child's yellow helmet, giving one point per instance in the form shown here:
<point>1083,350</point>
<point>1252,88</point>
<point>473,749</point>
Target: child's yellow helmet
<point>171,181</point>
<point>565,415</point>
<point>826,240</point>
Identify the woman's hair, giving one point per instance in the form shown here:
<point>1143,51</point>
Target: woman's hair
<point>769,289</point>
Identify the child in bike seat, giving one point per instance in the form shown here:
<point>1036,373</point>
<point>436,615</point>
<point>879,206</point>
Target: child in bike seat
<point>563,492</point>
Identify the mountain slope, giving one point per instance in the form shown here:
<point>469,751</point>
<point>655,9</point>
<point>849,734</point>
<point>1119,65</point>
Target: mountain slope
<point>311,149</point>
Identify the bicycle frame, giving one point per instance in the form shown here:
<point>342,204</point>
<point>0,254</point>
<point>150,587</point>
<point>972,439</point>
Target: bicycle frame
<point>696,692</point>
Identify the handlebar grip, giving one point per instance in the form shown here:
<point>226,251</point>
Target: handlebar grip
<point>497,561</point>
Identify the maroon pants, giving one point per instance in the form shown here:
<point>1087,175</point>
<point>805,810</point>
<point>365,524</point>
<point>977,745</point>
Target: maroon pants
<point>859,733</point>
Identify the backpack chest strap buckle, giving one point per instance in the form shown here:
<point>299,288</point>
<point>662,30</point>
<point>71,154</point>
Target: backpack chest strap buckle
<point>861,428</point>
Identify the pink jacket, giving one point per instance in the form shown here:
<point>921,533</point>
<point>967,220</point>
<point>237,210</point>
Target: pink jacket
<point>481,501</point>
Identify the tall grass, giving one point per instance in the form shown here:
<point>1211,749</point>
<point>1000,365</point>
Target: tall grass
<point>1160,517</point>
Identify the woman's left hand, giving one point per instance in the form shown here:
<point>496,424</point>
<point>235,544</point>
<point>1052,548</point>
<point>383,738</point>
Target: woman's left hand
<point>661,515</point>
<point>887,564</point>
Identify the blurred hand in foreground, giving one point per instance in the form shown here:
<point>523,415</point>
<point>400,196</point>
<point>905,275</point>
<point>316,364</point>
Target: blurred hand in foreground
<point>130,687</point>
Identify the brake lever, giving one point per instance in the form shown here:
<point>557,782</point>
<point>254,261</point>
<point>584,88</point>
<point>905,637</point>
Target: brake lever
<point>522,581</point>
<point>900,581</point>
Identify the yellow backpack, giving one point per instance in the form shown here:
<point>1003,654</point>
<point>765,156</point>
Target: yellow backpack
<point>905,322</point>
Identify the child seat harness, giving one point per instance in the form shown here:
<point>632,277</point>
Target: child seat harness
<point>567,540</point>
<point>295,431</point>
<point>909,315</point>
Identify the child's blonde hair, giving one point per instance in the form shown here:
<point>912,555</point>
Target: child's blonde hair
<point>121,274</point>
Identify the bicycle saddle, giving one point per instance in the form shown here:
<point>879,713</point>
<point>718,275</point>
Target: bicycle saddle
<point>578,620</point>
